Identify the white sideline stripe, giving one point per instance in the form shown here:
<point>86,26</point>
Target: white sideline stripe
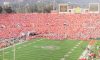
<point>72,49</point>
<point>30,43</point>
<point>15,44</point>
<point>84,54</point>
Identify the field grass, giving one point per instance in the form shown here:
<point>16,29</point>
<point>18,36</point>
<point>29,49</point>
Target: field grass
<point>96,47</point>
<point>98,42</point>
<point>45,49</point>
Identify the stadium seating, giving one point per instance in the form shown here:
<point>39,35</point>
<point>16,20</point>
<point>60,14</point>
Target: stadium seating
<point>73,26</point>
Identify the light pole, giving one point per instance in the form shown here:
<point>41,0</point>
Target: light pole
<point>19,6</point>
<point>54,3</point>
<point>42,6</point>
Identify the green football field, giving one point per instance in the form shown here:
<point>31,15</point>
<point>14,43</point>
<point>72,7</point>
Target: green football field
<point>97,45</point>
<point>98,42</point>
<point>45,49</point>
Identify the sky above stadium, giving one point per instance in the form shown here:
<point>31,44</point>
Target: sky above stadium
<point>71,1</point>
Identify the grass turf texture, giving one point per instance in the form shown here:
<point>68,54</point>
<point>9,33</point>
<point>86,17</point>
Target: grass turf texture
<point>98,42</point>
<point>45,49</point>
<point>96,46</point>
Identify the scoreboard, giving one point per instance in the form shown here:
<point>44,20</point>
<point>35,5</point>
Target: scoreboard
<point>63,8</point>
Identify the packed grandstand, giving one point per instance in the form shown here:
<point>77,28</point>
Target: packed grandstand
<point>54,31</point>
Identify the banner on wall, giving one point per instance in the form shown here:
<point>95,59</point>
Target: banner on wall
<point>77,10</point>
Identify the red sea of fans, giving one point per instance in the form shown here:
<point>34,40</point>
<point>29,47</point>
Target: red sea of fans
<point>13,27</point>
<point>50,25</point>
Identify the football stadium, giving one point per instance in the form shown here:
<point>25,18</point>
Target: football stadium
<point>49,30</point>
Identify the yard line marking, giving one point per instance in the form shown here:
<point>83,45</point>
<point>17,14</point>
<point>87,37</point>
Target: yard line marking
<point>66,55</point>
<point>6,52</point>
<point>75,47</point>
<point>69,52</point>
<point>24,45</point>
<point>35,46</point>
<point>78,43</point>
<point>34,42</point>
<point>18,47</point>
<point>41,39</point>
<point>38,40</point>
<point>5,59</point>
<point>29,44</point>
<point>12,50</point>
<point>62,58</point>
<point>72,49</point>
